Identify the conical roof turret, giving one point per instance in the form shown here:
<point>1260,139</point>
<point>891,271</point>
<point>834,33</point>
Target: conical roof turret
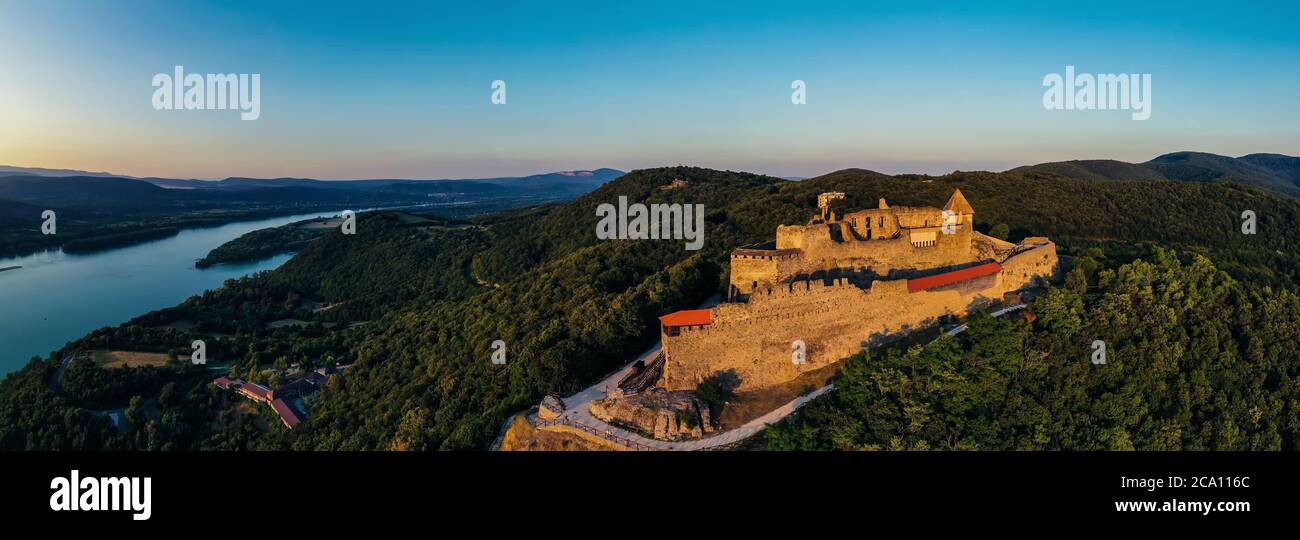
<point>957,203</point>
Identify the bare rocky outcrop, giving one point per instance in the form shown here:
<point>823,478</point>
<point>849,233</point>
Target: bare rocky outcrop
<point>552,407</point>
<point>664,415</point>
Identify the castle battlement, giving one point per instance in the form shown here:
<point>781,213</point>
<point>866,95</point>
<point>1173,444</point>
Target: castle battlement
<point>800,287</point>
<point>778,297</point>
<point>878,240</point>
<point>765,254</point>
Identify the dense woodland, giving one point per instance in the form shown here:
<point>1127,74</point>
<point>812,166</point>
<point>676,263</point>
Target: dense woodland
<point>1195,360</point>
<point>1199,321</point>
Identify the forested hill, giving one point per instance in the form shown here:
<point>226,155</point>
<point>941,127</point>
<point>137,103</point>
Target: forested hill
<point>571,308</point>
<point>1271,172</point>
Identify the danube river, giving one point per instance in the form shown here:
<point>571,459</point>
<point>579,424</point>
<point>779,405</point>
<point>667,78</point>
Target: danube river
<point>57,297</point>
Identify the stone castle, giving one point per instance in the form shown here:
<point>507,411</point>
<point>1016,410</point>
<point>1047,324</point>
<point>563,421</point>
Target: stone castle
<point>818,294</point>
<point>841,283</point>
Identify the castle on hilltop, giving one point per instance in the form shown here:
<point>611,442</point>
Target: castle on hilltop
<point>877,242</point>
<point>841,283</point>
<point>819,293</point>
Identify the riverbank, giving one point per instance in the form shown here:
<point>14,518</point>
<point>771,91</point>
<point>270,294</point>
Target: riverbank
<point>269,242</point>
<point>6,268</point>
<point>59,297</point>
<point>116,234</point>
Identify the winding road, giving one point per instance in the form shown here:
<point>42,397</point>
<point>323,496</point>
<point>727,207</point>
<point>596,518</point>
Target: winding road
<point>577,413</point>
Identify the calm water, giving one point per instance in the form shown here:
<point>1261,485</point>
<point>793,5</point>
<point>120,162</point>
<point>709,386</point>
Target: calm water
<point>56,297</point>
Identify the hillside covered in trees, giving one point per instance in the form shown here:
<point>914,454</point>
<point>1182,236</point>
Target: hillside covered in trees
<point>1195,361</point>
<point>1196,312</point>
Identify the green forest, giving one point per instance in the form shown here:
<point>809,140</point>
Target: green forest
<point>1195,360</point>
<point>1199,320</point>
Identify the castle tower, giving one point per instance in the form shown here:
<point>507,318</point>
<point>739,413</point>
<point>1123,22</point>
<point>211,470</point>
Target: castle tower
<point>957,205</point>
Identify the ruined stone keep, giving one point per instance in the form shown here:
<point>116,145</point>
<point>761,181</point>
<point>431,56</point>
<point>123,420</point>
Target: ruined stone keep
<point>842,283</point>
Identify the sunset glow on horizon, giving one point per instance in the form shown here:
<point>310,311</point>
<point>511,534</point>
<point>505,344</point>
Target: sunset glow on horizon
<point>404,91</point>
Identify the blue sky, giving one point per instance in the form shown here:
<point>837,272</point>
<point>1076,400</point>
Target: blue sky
<point>380,89</point>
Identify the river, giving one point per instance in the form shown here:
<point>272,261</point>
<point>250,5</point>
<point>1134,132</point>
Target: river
<point>58,297</point>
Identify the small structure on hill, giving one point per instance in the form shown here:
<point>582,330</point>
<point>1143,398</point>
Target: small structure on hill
<point>282,399</point>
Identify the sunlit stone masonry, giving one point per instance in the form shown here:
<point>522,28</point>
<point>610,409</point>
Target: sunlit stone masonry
<point>842,283</point>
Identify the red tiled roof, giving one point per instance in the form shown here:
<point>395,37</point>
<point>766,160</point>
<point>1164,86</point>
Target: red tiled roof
<point>256,390</point>
<point>689,317</point>
<point>948,278</point>
<point>286,413</point>
<point>222,382</point>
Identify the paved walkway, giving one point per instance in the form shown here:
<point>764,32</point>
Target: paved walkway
<point>577,412</point>
<point>962,327</point>
<point>583,420</point>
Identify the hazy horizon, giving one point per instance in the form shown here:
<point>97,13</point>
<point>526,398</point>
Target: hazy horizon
<point>871,167</point>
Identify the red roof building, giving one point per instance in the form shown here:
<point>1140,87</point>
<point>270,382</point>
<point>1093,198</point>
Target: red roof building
<point>256,392</point>
<point>674,322</point>
<point>222,383</point>
<point>689,317</point>
<point>948,278</point>
<point>286,413</point>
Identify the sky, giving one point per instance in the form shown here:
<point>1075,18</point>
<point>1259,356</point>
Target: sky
<point>404,90</point>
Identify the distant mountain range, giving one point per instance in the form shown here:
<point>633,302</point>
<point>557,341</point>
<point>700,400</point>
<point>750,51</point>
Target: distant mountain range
<point>1273,172</point>
<point>585,180</point>
<point>60,188</point>
<point>65,188</point>
<point>7,170</point>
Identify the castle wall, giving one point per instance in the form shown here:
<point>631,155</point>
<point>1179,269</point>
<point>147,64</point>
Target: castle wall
<point>753,340</point>
<point>821,251</point>
<point>748,271</point>
<point>1034,266</point>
